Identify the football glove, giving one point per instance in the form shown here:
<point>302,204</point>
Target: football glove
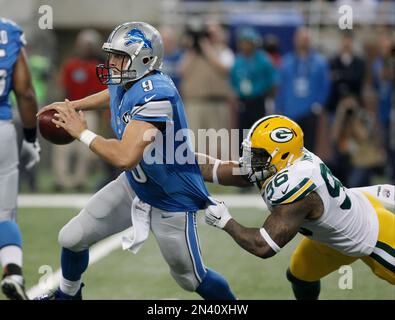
<point>31,152</point>
<point>217,214</point>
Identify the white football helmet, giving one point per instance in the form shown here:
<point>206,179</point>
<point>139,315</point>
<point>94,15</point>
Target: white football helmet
<point>141,44</point>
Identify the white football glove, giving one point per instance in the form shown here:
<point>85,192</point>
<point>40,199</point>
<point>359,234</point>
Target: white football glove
<point>31,151</point>
<point>217,214</point>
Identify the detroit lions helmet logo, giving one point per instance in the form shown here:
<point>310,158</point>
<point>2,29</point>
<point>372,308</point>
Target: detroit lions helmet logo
<point>137,36</point>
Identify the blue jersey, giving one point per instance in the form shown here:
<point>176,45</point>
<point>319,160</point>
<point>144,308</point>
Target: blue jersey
<point>170,178</point>
<point>11,42</point>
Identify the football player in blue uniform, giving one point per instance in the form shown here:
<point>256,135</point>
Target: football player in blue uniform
<point>14,76</point>
<point>147,115</point>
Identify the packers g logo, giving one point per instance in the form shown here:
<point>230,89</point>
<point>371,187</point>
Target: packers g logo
<point>281,135</point>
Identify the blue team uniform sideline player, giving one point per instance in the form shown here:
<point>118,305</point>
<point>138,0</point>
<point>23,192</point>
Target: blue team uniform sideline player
<point>14,76</point>
<point>169,194</point>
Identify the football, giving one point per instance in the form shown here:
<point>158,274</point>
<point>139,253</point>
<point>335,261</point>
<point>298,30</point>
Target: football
<point>49,130</point>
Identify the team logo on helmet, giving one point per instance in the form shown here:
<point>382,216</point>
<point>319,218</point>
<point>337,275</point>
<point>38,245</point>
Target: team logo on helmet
<point>137,36</point>
<point>281,135</point>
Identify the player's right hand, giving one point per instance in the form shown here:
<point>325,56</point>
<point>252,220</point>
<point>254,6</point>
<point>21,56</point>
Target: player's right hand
<point>51,106</point>
<point>217,214</point>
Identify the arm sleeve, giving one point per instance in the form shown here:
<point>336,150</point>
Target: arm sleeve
<point>153,111</point>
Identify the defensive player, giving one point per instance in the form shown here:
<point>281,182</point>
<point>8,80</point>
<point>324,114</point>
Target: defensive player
<point>340,225</point>
<point>145,105</point>
<point>14,76</point>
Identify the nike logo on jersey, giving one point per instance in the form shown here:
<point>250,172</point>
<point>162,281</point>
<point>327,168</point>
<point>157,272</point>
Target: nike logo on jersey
<point>286,189</point>
<point>146,99</point>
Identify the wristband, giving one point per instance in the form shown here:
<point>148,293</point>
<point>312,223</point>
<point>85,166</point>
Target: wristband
<point>87,137</point>
<point>269,240</point>
<point>30,134</point>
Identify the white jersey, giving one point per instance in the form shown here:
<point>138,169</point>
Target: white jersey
<point>349,222</point>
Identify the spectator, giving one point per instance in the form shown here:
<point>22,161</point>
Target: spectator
<point>71,162</point>
<point>383,76</point>
<point>271,46</point>
<point>253,78</point>
<point>204,71</point>
<point>304,86</point>
<point>173,55</point>
<point>347,71</point>
<point>356,132</point>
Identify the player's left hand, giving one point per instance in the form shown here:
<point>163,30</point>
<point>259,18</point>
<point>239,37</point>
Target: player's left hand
<point>31,151</point>
<point>217,215</point>
<point>68,118</point>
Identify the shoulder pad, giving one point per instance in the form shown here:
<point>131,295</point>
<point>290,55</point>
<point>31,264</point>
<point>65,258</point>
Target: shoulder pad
<point>291,184</point>
<point>158,91</point>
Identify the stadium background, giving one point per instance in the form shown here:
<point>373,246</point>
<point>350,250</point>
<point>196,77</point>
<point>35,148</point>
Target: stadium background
<point>121,275</point>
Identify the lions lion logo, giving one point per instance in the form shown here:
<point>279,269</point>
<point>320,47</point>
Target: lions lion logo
<point>137,36</point>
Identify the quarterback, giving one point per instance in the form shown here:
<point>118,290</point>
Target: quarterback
<point>164,196</point>
<point>340,225</point>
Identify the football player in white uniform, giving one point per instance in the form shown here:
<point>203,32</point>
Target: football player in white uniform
<point>340,225</point>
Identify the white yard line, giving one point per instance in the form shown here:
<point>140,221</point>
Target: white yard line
<point>96,253</point>
<point>79,200</point>
<point>105,247</point>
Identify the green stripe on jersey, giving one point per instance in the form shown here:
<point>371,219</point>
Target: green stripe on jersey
<point>306,192</point>
<point>292,192</point>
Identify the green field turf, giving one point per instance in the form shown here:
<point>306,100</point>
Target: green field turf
<point>123,275</point>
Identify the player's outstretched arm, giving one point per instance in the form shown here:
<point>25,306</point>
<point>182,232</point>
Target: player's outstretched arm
<point>227,173</point>
<point>279,228</point>
<point>100,100</point>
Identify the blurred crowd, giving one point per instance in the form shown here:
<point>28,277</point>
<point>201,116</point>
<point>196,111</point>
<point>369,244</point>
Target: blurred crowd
<point>343,102</point>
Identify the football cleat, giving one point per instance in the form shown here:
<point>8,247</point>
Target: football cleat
<point>13,284</point>
<point>13,287</point>
<point>59,295</point>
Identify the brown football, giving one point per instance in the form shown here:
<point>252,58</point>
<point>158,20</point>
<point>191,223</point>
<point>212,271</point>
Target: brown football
<point>49,131</point>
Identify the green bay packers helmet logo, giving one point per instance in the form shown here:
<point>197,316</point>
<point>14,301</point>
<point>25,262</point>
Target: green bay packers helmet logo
<point>281,135</point>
